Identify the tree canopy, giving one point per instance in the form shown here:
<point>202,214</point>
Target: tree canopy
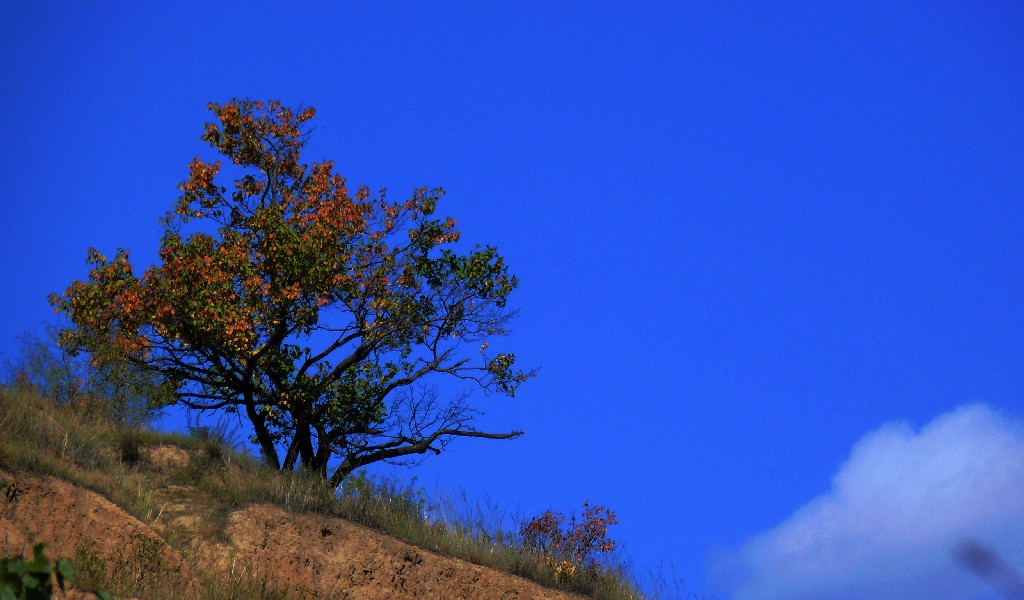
<point>326,318</point>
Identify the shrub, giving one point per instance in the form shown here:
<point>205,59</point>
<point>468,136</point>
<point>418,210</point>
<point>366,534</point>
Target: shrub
<point>567,551</point>
<point>128,445</point>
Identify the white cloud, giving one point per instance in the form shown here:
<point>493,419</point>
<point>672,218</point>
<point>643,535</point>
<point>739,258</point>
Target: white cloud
<point>897,509</point>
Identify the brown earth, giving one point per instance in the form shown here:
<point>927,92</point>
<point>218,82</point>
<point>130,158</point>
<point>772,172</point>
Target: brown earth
<point>310,555</point>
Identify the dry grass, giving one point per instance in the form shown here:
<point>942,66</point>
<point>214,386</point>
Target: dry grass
<point>84,449</point>
<point>143,574</point>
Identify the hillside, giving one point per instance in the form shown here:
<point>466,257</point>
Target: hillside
<point>152,515</point>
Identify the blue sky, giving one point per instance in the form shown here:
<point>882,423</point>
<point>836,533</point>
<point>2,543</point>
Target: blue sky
<point>748,236</point>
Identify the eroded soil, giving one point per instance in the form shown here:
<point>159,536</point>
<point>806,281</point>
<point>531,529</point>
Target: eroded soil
<point>309,555</point>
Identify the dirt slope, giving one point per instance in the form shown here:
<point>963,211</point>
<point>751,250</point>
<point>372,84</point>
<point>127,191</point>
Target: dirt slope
<point>312,556</point>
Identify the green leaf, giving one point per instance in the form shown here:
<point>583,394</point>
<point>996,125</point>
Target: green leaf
<point>29,582</point>
<point>65,572</point>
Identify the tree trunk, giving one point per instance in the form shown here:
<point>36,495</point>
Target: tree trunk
<point>263,437</point>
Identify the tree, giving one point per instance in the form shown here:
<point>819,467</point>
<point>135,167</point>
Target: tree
<point>326,318</point>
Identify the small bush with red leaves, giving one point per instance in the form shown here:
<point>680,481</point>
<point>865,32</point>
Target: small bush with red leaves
<point>576,547</point>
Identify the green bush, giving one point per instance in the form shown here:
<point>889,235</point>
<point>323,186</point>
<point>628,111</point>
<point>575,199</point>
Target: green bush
<point>22,579</point>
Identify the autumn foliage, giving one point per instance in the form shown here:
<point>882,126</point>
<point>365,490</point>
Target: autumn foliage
<point>566,550</point>
<point>325,317</point>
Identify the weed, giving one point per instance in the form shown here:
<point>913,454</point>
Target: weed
<point>134,573</point>
<point>128,446</point>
